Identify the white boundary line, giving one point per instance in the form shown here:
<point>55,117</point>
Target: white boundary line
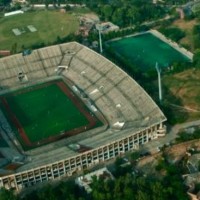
<point>182,50</point>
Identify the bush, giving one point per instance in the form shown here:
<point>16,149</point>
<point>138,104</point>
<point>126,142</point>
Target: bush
<point>173,33</point>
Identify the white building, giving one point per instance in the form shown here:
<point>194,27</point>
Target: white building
<point>13,13</point>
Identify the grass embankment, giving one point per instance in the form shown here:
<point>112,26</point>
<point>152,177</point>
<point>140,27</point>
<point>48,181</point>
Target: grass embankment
<point>185,86</point>
<point>187,27</point>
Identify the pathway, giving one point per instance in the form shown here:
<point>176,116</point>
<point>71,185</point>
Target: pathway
<point>172,134</point>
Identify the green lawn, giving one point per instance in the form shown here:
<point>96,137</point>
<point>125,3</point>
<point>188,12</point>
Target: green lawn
<point>145,50</point>
<point>44,112</point>
<point>49,25</point>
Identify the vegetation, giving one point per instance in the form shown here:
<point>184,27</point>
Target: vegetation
<point>7,195</point>
<point>4,3</point>
<point>173,33</point>
<point>181,93</point>
<point>196,58</point>
<point>127,12</point>
<point>196,35</point>
<point>185,136</point>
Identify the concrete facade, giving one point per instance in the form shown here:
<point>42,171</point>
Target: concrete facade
<point>69,166</point>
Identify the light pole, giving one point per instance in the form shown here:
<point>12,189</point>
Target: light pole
<point>100,40</point>
<point>159,81</point>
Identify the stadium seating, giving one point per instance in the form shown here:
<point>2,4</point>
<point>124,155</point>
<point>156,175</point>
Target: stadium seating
<point>118,96</point>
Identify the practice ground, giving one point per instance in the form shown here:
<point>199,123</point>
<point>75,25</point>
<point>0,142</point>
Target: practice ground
<point>145,50</point>
<point>44,113</point>
<point>186,87</point>
<point>49,25</point>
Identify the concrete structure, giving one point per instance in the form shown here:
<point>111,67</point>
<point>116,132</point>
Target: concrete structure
<point>5,53</point>
<point>107,27</point>
<point>190,180</point>
<point>13,13</point>
<point>193,163</point>
<point>131,116</point>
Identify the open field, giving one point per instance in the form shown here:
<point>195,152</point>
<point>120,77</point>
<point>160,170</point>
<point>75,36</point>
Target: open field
<point>40,117</point>
<point>49,25</point>
<point>186,87</point>
<point>146,50</point>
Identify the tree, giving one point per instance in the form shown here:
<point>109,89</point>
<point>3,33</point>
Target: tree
<point>5,2</point>
<point>46,2</point>
<point>196,36</point>
<point>132,15</point>
<point>117,16</point>
<point>14,48</point>
<point>141,195</point>
<point>7,195</point>
<point>107,11</point>
<point>196,58</point>
<point>173,33</point>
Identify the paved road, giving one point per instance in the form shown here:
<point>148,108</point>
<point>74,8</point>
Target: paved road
<point>171,135</point>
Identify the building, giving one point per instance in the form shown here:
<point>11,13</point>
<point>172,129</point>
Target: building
<point>107,27</point>
<point>5,53</point>
<point>13,13</point>
<point>131,117</point>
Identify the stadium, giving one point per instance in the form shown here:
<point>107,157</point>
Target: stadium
<point>64,109</point>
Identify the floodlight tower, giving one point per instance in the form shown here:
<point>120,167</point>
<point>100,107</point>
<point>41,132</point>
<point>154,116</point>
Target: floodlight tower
<point>159,81</point>
<point>100,41</point>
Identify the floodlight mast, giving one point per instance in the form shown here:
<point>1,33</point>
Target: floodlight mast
<point>100,41</point>
<point>159,81</point>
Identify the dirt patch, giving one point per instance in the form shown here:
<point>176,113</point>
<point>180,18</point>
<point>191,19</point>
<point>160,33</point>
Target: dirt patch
<point>177,152</point>
<point>188,74</point>
<point>185,25</point>
<point>91,16</point>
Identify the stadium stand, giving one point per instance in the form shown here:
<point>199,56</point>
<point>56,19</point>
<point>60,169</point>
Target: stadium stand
<point>131,116</point>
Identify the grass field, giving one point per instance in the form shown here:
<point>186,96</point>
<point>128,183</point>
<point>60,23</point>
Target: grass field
<point>49,25</point>
<point>145,50</point>
<point>44,112</point>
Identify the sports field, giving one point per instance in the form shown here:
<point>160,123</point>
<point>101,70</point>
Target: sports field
<point>49,24</point>
<point>45,113</point>
<point>145,50</point>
